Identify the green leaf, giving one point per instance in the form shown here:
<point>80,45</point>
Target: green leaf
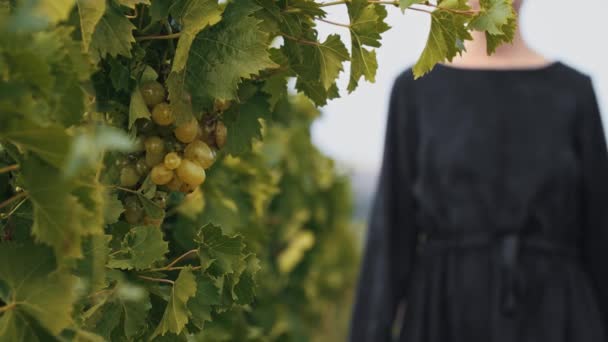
<point>60,218</point>
<point>446,38</point>
<point>222,253</point>
<point>126,303</point>
<point>366,25</point>
<point>331,54</point>
<point>50,143</point>
<point>404,4</point>
<point>113,208</point>
<point>39,298</point>
<point>141,248</point>
<point>246,286</point>
<point>90,12</point>
<point>92,267</point>
<point>493,41</point>
<point>137,107</point>
<point>219,58</point>
<point>493,16</point>
<point>194,16</point>
<point>201,305</point>
<point>113,35</point>
<point>243,123</point>
<point>176,314</point>
<point>160,9</point>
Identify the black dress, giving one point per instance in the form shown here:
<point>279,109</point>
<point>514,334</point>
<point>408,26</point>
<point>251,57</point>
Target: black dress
<point>490,221</point>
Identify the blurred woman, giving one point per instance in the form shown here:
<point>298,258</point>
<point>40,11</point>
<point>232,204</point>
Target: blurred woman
<point>490,221</point>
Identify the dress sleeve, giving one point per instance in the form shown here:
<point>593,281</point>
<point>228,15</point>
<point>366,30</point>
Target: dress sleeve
<point>390,241</point>
<point>595,197</point>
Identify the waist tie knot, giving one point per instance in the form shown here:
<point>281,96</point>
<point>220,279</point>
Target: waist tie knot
<point>507,247</point>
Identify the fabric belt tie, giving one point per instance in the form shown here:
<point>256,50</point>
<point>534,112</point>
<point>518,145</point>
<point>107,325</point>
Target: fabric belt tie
<point>508,247</point>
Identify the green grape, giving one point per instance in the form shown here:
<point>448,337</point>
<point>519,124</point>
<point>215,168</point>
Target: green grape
<point>172,160</point>
<point>220,134</point>
<point>153,93</point>
<point>154,145</point>
<point>162,114</point>
<point>188,188</point>
<point>128,177</point>
<point>175,184</point>
<point>190,172</point>
<point>160,175</point>
<point>153,159</point>
<point>141,167</point>
<point>200,153</point>
<point>187,132</point>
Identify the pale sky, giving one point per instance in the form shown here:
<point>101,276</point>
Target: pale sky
<point>352,127</point>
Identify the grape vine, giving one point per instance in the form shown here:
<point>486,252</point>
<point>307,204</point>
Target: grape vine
<point>157,176</point>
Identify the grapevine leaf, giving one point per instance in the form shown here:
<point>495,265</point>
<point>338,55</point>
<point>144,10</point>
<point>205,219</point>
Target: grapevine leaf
<point>92,267</point>
<point>90,12</point>
<point>245,288</point>
<point>177,314</point>
<point>493,16</point>
<point>141,248</point>
<point>331,54</point>
<point>50,143</point>
<point>113,35</point>
<point>219,58</point>
<point>127,303</point>
<point>207,295</point>
<point>160,9</point>
<point>243,123</point>
<point>447,34</point>
<point>404,4</point>
<point>36,293</point>
<point>137,107</point>
<point>493,41</point>
<point>221,253</point>
<point>194,16</point>
<point>132,3</point>
<point>60,219</point>
<point>113,208</point>
<point>366,25</point>
<point>120,75</point>
<point>152,209</point>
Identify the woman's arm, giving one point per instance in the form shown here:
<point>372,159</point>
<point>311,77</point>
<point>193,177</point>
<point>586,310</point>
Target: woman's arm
<point>595,175</point>
<point>390,243</point>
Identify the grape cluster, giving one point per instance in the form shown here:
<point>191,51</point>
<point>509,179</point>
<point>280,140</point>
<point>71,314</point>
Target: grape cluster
<point>174,156</point>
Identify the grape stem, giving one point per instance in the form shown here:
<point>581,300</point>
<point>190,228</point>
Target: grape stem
<point>301,41</point>
<point>8,307</point>
<point>158,280</point>
<point>12,199</point>
<point>159,37</point>
<point>9,168</point>
<point>333,23</point>
<point>181,257</point>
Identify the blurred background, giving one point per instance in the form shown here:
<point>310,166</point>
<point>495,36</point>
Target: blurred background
<point>351,129</point>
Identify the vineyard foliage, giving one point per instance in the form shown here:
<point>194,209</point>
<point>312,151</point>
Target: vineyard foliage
<point>157,176</point>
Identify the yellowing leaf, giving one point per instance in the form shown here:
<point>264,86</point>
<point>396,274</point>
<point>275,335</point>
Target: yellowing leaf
<point>90,12</point>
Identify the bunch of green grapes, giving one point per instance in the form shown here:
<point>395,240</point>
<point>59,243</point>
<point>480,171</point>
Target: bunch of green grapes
<point>174,157</point>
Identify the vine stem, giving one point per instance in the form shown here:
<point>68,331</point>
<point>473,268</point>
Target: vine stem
<point>301,41</point>
<point>333,23</point>
<point>332,3</point>
<point>7,307</point>
<point>159,37</point>
<point>177,268</point>
<point>158,280</point>
<point>12,199</point>
<point>181,257</point>
<point>9,168</point>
